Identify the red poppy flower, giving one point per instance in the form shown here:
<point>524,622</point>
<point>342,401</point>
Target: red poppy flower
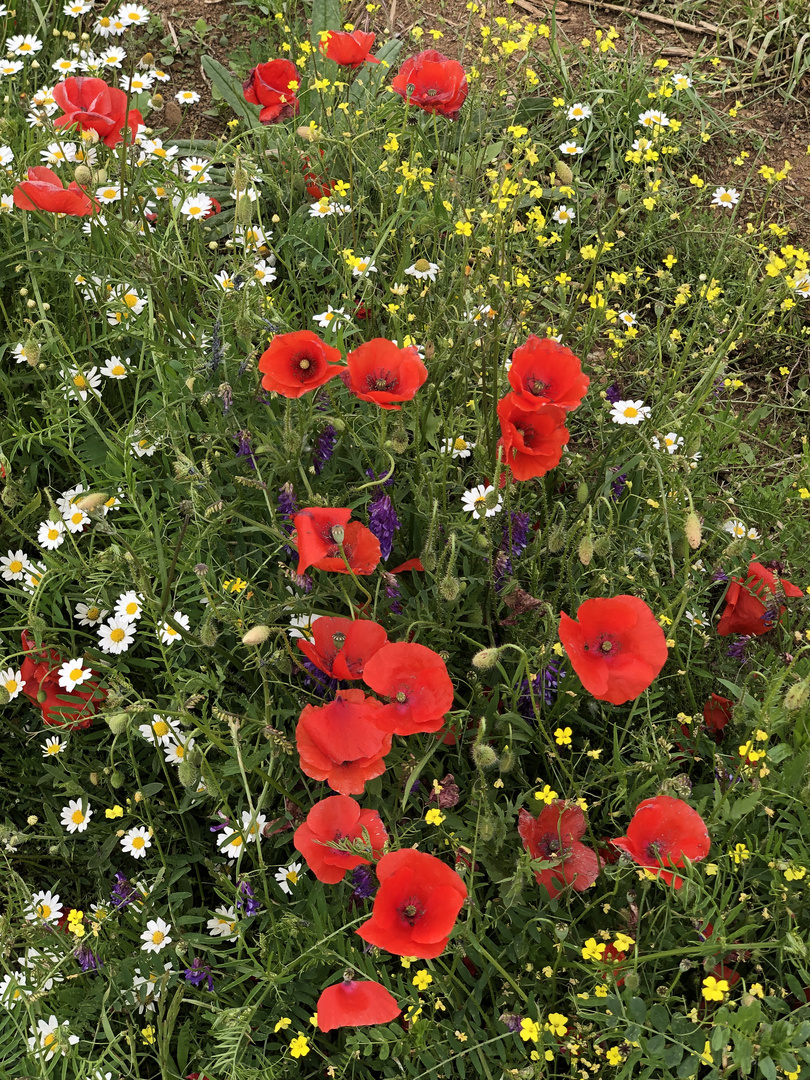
<point>39,674</point>
<point>432,82</point>
<point>555,834</point>
<point>342,647</point>
<point>349,50</point>
<point>355,1003</point>
<point>617,648</point>
<point>293,364</point>
<point>716,714</point>
<point>745,613</point>
<point>409,564</point>
<point>416,906</point>
<point>545,371</point>
<point>94,106</point>
<point>532,438</point>
<point>663,832</point>
<point>318,187</point>
<point>340,742</point>
<point>337,818</point>
<point>415,680</point>
<point>319,532</point>
<point>273,85</point>
<point>382,373</point>
<point>44,190</point>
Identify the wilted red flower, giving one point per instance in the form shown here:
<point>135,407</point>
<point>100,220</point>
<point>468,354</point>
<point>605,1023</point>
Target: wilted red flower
<point>39,674</point>
<point>349,50</point>
<point>318,187</point>
<point>342,647</point>
<point>355,1003</point>
<point>555,834</point>
<point>663,832</point>
<point>95,106</point>
<point>415,681</point>
<point>544,371</point>
<point>745,613</point>
<point>337,818</point>
<point>416,905</point>
<point>273,85</point>
<point>293,364</point>
<point>381,372</point>
<point>617,648</point>
<point>716,714</point>
<point>432,82</point>
<point>532,437</point>
<point>44,190</point>
<point>319,532</point>
<point>340,742</point>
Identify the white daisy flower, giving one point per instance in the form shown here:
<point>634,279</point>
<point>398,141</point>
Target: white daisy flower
<point>187,97</point>
<point>231,843</point>
<point>474,501</point>
<point>6,157</point>
<point>653,118</point>
<point>76,519</point>
<point>81,383</point>
<point>77,7</point>
<point>10,67</point>
<point>681,81</point>
<point>48,1038</point>
<point>136,841</point>
<point>13,989</point>
<point>6,204</point>
<point>110,193</point>
<point>23,45</point>
<point>225,281</point>
<point>564,215</point>
<point>363,265</point>
<point>249,193</point>
<point>129,299</point>
<point>143,446</point>
<point>301,625</point>
<point>250,237</point>
<point>11,681</point>
<point>332,318</point>
<point>627,317</point>
<point>196,168</point>
<point>223,923</point>
<point>630,412</point>
<point>671,442</point>
<point>75,817</point>
<point>483,311</point>
<point>137,83</point>
<point>161,731</point>
<point>46,906</point>
<point>578,111</point>
<point>738,529</point>
<point>802,286</point>
<point>752,534</point>
<point>129,606</point>
<point>571,148</point>
<point>423,269</point>
<point>116,636</point>
<point>264,273</point>
<point>159,75</point>
<point>65,66</point>
<point>252,832</point>
<point>697,619</point>
<point>90,614</point>
<point>155,148</point>
<point>168,634</point>
<point>196,207</point>
<point>146,989</point>
<point>116,367</point>
<point>109,26</point>
<point>287,877</point>
<point>74,673</point>
<point>458,447</point>
<point>52,746</point>
<point>51,534</point>
<point>58,153</point>
<point>175,752</point>
<point>725,197</point>
<point>113,57</point>
<point>156,936</point>
<point>322,208</point>
<point>12,566</point>
<point>32,579</point>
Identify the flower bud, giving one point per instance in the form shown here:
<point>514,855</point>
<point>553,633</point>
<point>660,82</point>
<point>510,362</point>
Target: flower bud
<point>486,659</point>
<point>117,779</point>
<point>117,722</point>
<point>92,502</point>
<point>582,493</point>
<point>563,172</point>
<point>556,539</point>
<point>797,696</point>
<point>208,633</point>
<point>484,756</point>
<point>507,762</point>
<point>82,175</point>
<point>692,530</point>
<point>31,352</point>
<point>585,550</point>
<point>188,774</point>
<point>449,588</point>
<point>491,499</point>
<point>601,546</point>
<point>257,635</point>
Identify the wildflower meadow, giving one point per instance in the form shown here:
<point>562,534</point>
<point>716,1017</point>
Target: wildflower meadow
<point>404,487</point>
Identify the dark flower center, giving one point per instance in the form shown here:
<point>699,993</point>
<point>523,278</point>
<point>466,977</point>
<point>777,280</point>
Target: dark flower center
<point>302,364</point>
<point>605,645</point>
<point>654,850</point>
<point>411,910</point>
<point>382,381</point>
<point>401,697</point>
<point>339,640</point>
<point>536,387</point>
<point>528,434</point>
<point>551,846</point>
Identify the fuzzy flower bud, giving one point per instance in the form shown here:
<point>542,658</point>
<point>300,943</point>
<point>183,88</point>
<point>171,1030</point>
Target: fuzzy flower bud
<point>486,659</point>
<point>92,502</point>
<point>484,756</point>
<point>257,635</point>
<point>692,530</point>
<point>797,696</point>
<point>117,722</point>
<point>582,493</point>
<point>563,172</point>
<point>82,175</point>
<point>585,550</point>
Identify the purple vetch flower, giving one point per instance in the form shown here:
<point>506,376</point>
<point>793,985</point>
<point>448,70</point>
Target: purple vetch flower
<point>123,893</point>
<point>363,883</point>
<point>198,973</point>
<point>719,575</point>
<point>225,394</point>
<point>613,393</point>
<point>512,1021</point>
<point>242,439</point>
<point>246,902</point>
<point>392,591</point>
<point>511,550</point>
<point>87,958</point>
<point>324,448</point>
<point>737,648</point>
<point>544,688</point>
<point>383,521</point>
<point>301,581</point>
<point>618,486</point>
<point>287,506</point>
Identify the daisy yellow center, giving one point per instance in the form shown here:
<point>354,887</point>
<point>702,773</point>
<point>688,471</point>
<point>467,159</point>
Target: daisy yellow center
<point>292,877</point>
<point>109,193</point>
<point>130,299</point>
<point>54,748</point>
<point>180,751</point>
<point>459,444</point>
<point>77,817</point>
<point>11,685</point>
<point>119,369</point>
<point>25,47</point>
<point>44,910</point>
<point>160,728</point>
<point>195,209</point>
<point>111,500</point>
<point>131,607</point>
<point>76,517</point>
<point>80,382</point>
<point>15,566</point>
<point>725,197</point>
<point>133,16</point>
<point>49,1039</point>
<point>117,635</point>
<point>34,579</point>
<point>236,841</point>
<point>76,674</point>
<point>157,937</point>
<point>53,534</point>
<point>630,412</point>
<point>104,22</point>
<point>93,612</point>
<point>138,842</point>
<point>171,631</point>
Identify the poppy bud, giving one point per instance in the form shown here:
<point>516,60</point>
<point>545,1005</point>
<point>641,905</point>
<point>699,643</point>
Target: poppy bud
<point>556,538</point>
<point>187,774</point>
<point>243,214</point>
<point>484,756</point>
<point>92,502</point>
<point>449,589</point>
<point>117,722</point>
<point>486,659</point>
<point>42,696</point>
<point>208,633</point>
<point>585,550</point>
<point>257,635</point>
<point>601,546</point>
<point>93,777</point>
<point>487,830</point>
<point>117,779</point>
<point>582,493</point>
<point>631,980</point>
<point>31,352</point>
<point>692,530</point>
<point>5,697</point>
<point>507,762</point>
<point>797,696</point>
<point>82,175</point>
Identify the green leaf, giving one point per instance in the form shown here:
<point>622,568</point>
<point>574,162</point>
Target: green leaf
<point>767,1068</point>
<point>637,1010</point>
<point>371,78</point>
<point>230,90</point>
<point>325,16</point>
